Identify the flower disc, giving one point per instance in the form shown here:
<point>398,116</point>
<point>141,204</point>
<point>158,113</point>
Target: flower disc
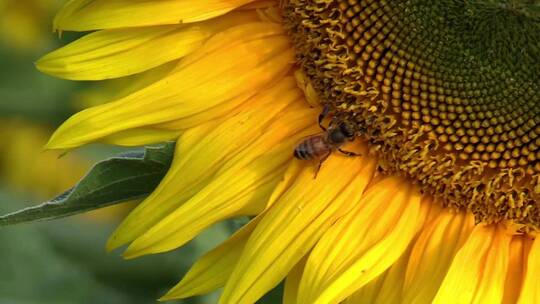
<point>446,92</point>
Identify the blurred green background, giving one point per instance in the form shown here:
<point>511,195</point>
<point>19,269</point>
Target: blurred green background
<point>64,261</point>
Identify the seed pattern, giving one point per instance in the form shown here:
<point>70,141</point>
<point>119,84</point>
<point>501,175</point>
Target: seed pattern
<point>449,93</point>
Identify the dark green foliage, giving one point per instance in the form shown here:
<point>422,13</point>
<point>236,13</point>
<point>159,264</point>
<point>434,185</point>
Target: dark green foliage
<point>115,180</point>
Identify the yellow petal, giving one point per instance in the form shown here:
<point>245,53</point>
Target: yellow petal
<point>241,187</point>
<point>235,64</point>
<point>141,136</point>
<point>212,270</point>
<point>305,84</point>
<point>287,182</point>
<point>219,143</point>
<point>294,223</point>
<point>392,288</point>
<point>116,53</point>
<point>171,130</point>
<point>259,4</point>
<point>292,282</point>
<point>530,292</point>
<point>478,271</point>
<point>519,248</point>
<point>433,253</point>
<point>369,293</point>
<point>363,244</point>
<point>87,15</point>
<point>387,288</point>
<point>108,90</point>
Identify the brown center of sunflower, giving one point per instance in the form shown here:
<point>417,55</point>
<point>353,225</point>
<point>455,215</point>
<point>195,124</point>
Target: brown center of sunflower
<point>447,90</point>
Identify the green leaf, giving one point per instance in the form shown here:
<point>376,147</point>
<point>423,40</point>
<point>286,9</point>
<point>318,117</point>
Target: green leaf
<point>119,179</point>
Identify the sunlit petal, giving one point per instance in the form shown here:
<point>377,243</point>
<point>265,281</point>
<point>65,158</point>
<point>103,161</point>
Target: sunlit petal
<point>238,83</point>
<point>478,271</point>
<point>365,243</point>
<point>530,292</point>
<point>87,15</point>
<point>224,144</point>
<point>294,224</point>
<point>212,270</point>
<point>241,187</point>
<point>433,253</point>
<point>517,257</point>
<point>292,282</point>
<point>256,54</point>
<point>116,53</point>
<point>386,288</point>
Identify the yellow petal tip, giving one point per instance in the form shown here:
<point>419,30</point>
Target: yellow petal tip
<point>112,244</point>
<point>135,251</point>
<point>59,141</point>
<point>51,145</point>
<point>166,297</point>
<point>50,67</point>
<point>39,65</point>
<point>184,289</point>
<point>130,255</point>
<point>174,294</point>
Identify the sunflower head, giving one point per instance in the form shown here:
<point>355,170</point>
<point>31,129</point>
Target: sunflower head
<point>447,91</point>
<point>442,97</point>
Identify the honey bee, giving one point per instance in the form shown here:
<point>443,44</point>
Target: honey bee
<point>320,146</point>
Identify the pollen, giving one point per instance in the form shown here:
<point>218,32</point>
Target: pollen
<point>448,93</point>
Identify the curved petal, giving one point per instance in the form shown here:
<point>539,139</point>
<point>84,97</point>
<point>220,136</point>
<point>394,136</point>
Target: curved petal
<point>241,187</point>
<point>530,292</point>
<point>292,282</point>
<point>369,293</point>
<point>519,248</point>
<point>386,288</point>
<point>254,55</point>
<point>108,90</point>
<point>363,244</point>
<point>478,271</point>
<point>88,15</point>
<point>432,254</point>
<point>294,223</point>
<point>116,53</point>
<point>220,142</point>
<point>212,270</point>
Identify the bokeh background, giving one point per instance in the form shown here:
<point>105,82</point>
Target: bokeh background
<point>64,261</point>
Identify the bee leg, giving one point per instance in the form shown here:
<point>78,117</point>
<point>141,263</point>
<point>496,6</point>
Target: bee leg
<point>319,165</point>
<point>323,114</point>
<point>349,153</point>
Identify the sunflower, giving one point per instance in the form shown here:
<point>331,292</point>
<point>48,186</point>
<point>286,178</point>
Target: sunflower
<point>439,203</point>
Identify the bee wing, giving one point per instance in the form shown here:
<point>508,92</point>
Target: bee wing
<point>304,138</point>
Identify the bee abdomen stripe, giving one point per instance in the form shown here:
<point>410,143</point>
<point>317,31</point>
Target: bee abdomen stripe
<point>302,151</point>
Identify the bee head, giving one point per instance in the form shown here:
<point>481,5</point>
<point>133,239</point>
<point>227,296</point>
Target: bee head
<point>347,129</point>
<point>340,133</point>
<point>336,136</point>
